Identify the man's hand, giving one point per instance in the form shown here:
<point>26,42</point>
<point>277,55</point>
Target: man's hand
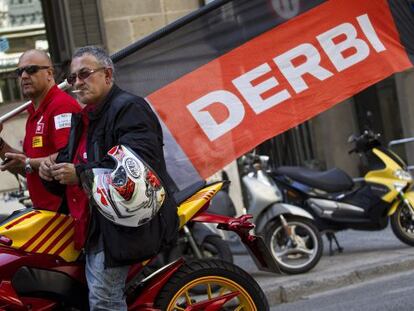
<point>65,173</point>
<point>17,160</point>
<point>45,169</point>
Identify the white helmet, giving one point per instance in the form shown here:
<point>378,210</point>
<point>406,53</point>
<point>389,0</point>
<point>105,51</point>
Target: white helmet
<point>131,193</point>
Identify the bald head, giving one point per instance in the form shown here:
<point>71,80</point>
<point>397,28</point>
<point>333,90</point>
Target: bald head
<point>40,56</point>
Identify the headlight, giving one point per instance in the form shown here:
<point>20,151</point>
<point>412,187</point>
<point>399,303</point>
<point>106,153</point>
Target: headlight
<point>403,175</point>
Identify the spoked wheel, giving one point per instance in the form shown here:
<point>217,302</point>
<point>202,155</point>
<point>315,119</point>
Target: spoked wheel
<point>298,253</point>
<point>402,224</point>
<point>237,289</point>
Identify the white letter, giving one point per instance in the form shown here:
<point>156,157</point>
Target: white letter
<point>334,51</point>
<point>311,65</point>
<point>211,128</point>
<point>370,33</point>
<point>252,93</point>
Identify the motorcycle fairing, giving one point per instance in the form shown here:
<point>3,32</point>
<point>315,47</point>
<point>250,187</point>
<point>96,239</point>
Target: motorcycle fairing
<point>43,232</point>
<point>147,290</point>
<point>196,202</point>
<point>242,226</point>
<point>367,196</point>
<point>409,196</point>
<point>386,176</point>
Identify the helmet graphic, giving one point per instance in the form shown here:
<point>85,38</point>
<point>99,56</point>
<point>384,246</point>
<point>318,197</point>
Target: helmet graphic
<point>131,193</point>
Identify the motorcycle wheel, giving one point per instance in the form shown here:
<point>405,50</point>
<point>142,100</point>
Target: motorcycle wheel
<point>402,224</point>
<point>233,282</point>
<point>300,256</point>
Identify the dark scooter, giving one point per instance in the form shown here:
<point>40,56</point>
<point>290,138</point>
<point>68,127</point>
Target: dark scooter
<point>336,203</point>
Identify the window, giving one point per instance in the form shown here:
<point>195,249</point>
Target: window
<point>9,90</point>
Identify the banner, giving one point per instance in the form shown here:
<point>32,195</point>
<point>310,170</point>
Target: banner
<point>249,70</point>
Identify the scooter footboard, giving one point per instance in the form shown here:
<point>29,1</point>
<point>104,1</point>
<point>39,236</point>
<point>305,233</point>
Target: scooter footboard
<point>242,226</point>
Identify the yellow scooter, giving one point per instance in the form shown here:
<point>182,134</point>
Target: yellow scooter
<point>337,203</point>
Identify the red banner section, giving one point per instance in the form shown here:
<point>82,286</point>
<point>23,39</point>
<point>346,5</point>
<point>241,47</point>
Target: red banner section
<point>280,79</point>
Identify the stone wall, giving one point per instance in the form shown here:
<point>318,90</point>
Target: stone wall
<point>331,130</point>
<point>405,91</point>
<point>126,21</point>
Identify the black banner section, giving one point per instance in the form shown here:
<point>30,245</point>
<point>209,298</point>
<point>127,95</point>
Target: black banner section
<point>199,38</point>
<point>403,13</point>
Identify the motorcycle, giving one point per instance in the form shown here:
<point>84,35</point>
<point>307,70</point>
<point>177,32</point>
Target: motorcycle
<point>196,240</point>
<point>337,203</point>
<point>289,231</point>
<point>41,270</point>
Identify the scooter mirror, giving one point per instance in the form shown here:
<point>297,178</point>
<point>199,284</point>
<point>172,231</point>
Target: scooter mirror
<point>352,138</point>
<point>264,160</point>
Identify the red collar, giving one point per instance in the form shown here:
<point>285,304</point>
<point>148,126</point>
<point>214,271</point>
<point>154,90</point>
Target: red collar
<point>45,102</point>
<point>85,113</point>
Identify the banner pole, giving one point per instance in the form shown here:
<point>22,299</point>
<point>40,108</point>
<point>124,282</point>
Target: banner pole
<point>63,86</point>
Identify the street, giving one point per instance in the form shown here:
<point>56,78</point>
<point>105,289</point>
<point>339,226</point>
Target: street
<point>367,257</point>
<point>388,293</point>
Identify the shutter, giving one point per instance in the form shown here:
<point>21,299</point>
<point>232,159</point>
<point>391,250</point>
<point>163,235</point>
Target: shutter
<point>85,22</point>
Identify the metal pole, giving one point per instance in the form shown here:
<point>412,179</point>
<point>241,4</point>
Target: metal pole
<point>400,141</point>
<point>63,86</point>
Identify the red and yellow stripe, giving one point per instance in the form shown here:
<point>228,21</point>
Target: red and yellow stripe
<point>192,205</point>
<point>43,232</point>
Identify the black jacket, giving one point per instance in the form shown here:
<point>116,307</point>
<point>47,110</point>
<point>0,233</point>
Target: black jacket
<point>125,119</point>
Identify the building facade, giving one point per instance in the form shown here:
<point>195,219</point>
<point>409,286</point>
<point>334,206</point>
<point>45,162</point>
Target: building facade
<point>22,27</point>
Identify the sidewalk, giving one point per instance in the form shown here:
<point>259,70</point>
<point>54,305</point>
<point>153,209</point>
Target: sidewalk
<point>359,262</point>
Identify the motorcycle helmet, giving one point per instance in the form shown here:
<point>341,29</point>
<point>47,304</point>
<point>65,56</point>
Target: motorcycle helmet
<point>128,195</point>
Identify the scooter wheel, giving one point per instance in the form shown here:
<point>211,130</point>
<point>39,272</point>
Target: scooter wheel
<point>298,253</point>
<point>234,282</point>
<point>402,225</point>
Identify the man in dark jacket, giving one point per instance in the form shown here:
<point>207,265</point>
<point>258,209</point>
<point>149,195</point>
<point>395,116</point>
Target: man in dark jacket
<point>111,117</point>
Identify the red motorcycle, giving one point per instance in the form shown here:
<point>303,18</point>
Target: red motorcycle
<point>40,269</point>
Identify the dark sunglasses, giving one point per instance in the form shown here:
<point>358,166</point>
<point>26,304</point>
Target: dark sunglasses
<point>82,74</point>
<point>32,69</point>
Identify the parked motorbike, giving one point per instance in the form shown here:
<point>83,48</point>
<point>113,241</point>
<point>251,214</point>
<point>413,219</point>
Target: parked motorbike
<point>337,203</point>
<point>289,231</point>
<point>196,240</point>
<point>41,270</point>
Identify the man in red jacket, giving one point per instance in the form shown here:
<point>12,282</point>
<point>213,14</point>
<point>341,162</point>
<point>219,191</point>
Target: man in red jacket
<point>47,126</point>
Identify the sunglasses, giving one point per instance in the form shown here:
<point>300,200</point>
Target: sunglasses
<point>82,74</point>
<point>32,69</point>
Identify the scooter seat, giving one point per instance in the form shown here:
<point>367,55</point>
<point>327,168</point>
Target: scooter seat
<point>333,180</point>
